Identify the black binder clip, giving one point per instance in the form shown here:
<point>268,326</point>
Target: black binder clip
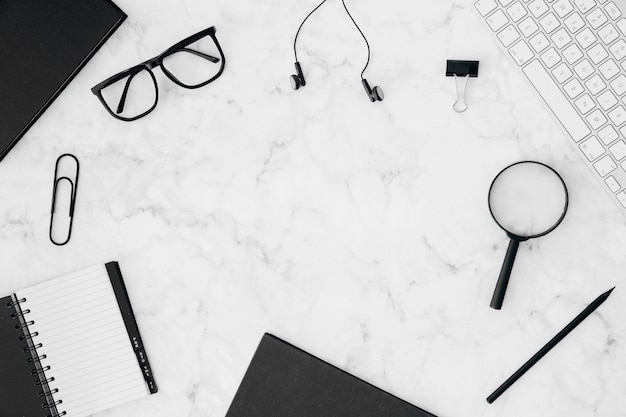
<point>461,71</point>
<point>73,183</point>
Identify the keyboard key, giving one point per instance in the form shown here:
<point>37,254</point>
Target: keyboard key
<point>550,58</point>
<point>618,49</point>
<point>539,42</point>
<point>521,53</point>
<point>505,3</point>
<point>538,8</point>
<point>607,134</point>
<point>508,35</point>
<point>612,10</point>
<point>560,105</point>
<point>574,22</point>
<point>584,69</point>
<point>605,166</point>
<point>563,7</point>
<point>528,26</point>
<point>619,84</point>
<point>621,24</point>
<point>497,20</point>
<point>597,18</point>
<point>618,150</point>
<point>572,53</point>
<point>608,34</point>
<point>574,88</point>
<point>584,5</point>
<point>585,103</point>
<point>596,119</point>
<point>597,53</point>
<point>595,84</point>
<point>618,115</point>
<point>586,38</point>
<point>562,73</point>
<point>485,7</point>
<point>609,69</point>
<point>561,38</point>
<point>612,183</point>
<point>549,22</point>
<point>592,149</point>
<point>621,197</point>
<point>516,11</point>
<point>607,100</point>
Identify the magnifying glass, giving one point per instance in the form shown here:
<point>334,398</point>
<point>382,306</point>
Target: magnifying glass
<point>527,200</point>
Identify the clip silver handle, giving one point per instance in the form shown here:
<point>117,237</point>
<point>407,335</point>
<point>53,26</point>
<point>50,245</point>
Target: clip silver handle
<point>461,85</point>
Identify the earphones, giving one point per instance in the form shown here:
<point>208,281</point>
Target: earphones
<point>297,80</point>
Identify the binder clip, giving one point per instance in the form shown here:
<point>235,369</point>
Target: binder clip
<point>461,71</point>
<point>73,183</point>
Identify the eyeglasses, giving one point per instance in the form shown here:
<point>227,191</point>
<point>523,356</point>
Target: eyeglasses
<point>191,63</point>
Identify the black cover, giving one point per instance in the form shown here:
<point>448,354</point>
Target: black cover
<point>284,381</point>
<point>43,45</point>
<point>19,397</point>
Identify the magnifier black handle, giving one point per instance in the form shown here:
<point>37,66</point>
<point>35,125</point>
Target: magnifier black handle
<point>505,274</point>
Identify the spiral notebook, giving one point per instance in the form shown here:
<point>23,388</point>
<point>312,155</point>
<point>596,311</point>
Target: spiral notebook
<point>71,347</point>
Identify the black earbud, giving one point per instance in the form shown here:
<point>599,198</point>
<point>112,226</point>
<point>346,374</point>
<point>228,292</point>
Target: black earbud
<point>297,79</point>
<point>375,94</point>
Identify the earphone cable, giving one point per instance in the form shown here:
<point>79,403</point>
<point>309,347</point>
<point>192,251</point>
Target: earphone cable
<point>295,52</point>
<point>364,38</point>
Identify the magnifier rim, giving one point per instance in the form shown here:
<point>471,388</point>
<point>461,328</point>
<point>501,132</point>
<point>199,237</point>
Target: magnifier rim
<point>521,238</point>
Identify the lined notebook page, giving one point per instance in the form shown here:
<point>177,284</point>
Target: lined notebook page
<point>86,342</point>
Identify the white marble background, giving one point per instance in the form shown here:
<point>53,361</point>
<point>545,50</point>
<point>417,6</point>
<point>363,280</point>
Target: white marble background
<point>357,231</point>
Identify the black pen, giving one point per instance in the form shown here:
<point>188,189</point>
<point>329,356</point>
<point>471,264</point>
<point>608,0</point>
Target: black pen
<point>552,343</point>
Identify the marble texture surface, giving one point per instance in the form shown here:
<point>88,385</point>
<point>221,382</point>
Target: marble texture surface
<point>357,231</point>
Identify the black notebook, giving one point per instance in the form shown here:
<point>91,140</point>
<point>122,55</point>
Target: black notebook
<point>284,381</point>
<point>71,347</point>
<point>43,45</point>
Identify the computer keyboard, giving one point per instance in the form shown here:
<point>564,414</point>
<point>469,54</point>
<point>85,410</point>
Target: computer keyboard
<point>574,54</point>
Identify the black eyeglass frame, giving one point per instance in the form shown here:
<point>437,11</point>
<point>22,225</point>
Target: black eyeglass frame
<point>158,62</point>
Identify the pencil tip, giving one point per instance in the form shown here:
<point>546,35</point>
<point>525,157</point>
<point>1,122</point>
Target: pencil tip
<point>609,292</point>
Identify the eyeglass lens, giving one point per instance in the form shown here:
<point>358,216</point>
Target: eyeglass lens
<point>194,64</point>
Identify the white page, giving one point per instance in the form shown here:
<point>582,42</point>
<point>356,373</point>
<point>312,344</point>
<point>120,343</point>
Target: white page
<point>85,342</point>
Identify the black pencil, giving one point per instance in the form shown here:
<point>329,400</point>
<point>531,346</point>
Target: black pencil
<point>552,343</point>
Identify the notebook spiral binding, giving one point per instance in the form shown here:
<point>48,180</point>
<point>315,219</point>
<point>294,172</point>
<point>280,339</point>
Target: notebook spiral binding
<point>35,358</point>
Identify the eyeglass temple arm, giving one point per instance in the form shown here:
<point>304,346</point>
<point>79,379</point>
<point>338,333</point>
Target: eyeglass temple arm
<point>200,54</point>
<point>120,106</point>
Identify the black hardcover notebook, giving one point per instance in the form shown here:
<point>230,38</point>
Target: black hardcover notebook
<point>284,381</point>
<point>43,45</point>
<point>71,347</point>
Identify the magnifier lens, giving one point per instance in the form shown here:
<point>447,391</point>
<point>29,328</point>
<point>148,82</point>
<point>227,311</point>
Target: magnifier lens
<point>527,199</point>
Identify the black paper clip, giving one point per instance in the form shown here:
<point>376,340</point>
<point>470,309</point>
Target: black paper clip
<point>74,186</point>
<point>461,71</point>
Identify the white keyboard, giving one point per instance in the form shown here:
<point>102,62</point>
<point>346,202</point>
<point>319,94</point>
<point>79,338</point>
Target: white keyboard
<point>574,53</point>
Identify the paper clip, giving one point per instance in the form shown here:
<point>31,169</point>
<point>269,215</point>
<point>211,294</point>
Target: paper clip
<point>461,71</point>
<point>74,186</point>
